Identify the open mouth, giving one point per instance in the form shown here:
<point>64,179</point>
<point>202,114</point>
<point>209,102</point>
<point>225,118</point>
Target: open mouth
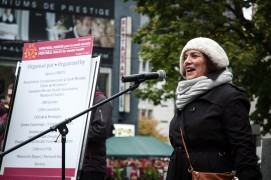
<point>190,69</point>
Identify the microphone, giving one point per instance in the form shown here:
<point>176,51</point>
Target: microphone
<point>160,75</point>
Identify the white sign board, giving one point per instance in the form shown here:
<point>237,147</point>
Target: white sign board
<point>124,130</point>
<point>57,80</point>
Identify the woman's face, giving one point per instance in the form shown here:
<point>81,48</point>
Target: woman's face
<point>195,64</point>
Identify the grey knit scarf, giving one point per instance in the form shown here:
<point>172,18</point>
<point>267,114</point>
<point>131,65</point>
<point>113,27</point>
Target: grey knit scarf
<point>188,90</point>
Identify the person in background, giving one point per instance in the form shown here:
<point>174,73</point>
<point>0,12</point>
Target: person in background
<point>3,121</point>
<point>3,98</point>
<point>110,174</point>
<point>94,165</point>
<point>8,25</point>
<point>8,17</point>
<point>103,32</point>
<point>4,110</point>
<point>213,115</point>
<point>133,175</point>
<point>81,28</point>
<point>9,95</point>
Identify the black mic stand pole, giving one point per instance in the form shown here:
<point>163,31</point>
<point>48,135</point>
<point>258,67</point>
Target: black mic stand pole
<point>63,130</point>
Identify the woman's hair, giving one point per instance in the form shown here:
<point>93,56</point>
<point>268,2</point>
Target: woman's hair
<point>212,67</point>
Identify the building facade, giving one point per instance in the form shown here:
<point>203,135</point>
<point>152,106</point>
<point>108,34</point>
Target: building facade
<point>111,22</point>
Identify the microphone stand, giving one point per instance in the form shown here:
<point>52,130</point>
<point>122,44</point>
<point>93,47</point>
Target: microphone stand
<point>63,130</point>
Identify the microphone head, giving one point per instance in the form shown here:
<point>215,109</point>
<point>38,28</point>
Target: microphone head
<point>162,75</point>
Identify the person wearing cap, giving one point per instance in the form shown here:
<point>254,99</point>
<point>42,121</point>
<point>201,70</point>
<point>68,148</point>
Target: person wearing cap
<point>214,117</point>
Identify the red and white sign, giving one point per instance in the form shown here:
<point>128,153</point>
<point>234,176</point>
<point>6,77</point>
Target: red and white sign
<point>125,61</point>
<point>58,49</point>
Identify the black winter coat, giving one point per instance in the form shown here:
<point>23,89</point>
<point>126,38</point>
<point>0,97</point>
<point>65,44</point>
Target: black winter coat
<point>99,130</point>
<point>217,134</point>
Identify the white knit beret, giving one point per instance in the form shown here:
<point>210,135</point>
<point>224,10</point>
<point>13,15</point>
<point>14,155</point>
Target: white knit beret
<point>208,47</point>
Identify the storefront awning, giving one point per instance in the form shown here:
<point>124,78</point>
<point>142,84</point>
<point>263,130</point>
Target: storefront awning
<point>137,146</point>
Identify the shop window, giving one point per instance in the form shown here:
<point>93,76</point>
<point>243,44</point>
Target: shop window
<point>104,81</point>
